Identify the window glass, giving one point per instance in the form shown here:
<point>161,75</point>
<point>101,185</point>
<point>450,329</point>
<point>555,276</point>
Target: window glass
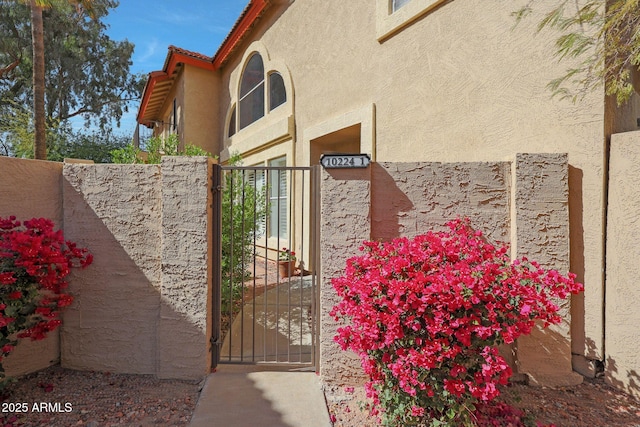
<point>251,104</point>
<point>278,207</point>
<point>277,92</point>
<point>232,122</point>
<point>397,4</point>
<point>256,180</point>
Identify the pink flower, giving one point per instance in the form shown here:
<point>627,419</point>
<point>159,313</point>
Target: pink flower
<point>427,313</point>
<point>417,411</point>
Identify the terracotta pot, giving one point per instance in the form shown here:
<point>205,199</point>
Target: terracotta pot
<point>286,268</point>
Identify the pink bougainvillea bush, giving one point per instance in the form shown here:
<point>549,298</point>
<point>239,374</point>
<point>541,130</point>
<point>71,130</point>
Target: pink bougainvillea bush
<point>34,262</point>
<point>426,314</point>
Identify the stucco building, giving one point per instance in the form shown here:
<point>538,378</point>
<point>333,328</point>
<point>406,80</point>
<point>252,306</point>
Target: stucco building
<point>411,80</point>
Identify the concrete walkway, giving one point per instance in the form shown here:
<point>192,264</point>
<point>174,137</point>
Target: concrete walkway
<point>252,396</point>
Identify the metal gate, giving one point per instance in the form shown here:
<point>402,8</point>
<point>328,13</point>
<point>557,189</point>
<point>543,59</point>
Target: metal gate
<point>264,310</point>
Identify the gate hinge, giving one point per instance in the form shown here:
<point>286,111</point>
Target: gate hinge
<point>215,341</point>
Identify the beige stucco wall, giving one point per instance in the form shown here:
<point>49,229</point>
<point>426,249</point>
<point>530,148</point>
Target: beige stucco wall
<point>200,88</point>
<point>142,306</point>
<point>31,189</point>
<point>622,364</point>
<point>344,223</point>
<point>184,325</point>
<point>116,212</point>
<point>540,232</point>
<point>524,202</point>
<point>459,84</point>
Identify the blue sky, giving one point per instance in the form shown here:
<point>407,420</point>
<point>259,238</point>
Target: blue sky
<point>153,25</point>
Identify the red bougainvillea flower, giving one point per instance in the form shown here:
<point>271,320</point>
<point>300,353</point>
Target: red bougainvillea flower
<point>35,261</point>
<point>425,316</point>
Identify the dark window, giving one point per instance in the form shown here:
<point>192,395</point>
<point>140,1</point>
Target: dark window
<point>277,92</point>
<point>232,123</point>
<point>251,104</point>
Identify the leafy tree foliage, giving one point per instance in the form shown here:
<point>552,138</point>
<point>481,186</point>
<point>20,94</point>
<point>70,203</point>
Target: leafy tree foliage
<point>601,38</point>
<point>94,146</point>
<point>244,210</point>
<point>17,135</point>
<point>153,150</point>
<point>86,73</point>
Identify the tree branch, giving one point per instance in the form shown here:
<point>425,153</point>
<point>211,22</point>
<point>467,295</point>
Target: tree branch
<point>4,71</point>
<point>96,109</point>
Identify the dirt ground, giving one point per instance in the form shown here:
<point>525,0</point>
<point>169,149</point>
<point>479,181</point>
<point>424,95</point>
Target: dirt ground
<point>60,397</point>
<point>590,404</point>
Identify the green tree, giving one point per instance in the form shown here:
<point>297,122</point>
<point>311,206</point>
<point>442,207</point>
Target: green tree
<point>601,38</point>
<point>155,148</point>
<point>86,74</point>
<point>243,210</point>
<point>17,134</point>
<point>96,146</point>
<point>38,71</point>
<point>37,43</point>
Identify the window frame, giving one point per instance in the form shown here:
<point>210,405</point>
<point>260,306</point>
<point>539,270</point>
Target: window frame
<point>390,21</point>
<point>395,8</point>
<point>251,94</point>
<point>281,85</point>
<point>236,123</point>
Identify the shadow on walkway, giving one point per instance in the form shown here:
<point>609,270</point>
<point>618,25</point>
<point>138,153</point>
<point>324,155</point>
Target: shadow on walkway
<point>256,396</point>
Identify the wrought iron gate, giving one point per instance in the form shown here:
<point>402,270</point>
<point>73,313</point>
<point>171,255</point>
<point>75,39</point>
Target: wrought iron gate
<point>261,215</point>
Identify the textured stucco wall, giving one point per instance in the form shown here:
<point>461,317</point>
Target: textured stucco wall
<point>143,305</point>
<point>200,88</point>
<point>412,198</point>
<point>540,232</point>
<point>31,189</point>
<point>345,223</point>
<point>183,329</point>
<point>116,212</point>
<point>525,202</point>
<point>622,363</point>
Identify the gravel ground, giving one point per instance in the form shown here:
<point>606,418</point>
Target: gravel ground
<point>61,397</point>
<point>590,404</point>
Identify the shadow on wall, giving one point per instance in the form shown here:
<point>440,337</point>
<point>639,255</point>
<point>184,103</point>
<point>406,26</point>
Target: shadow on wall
<point>545,357</point>
<point>388,204</point>
<point>120,321</point>
<point>632,384</point>
<point>579,343</point>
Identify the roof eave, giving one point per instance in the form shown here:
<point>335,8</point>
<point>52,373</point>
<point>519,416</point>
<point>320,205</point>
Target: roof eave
<point>173,60</point>
<point>247,19</point>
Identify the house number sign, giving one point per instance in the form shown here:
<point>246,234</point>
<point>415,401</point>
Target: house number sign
<point>331,161</point>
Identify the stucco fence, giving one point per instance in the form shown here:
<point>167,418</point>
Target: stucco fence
<point>524,202</point>
<point>622,291</point>
<point>144,305</point>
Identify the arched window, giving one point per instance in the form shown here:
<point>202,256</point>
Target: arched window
<point>277,91</point>
<point>251,104</point>
<point>261,89</point>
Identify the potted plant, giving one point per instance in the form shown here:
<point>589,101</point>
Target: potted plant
<point>286,262</point>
